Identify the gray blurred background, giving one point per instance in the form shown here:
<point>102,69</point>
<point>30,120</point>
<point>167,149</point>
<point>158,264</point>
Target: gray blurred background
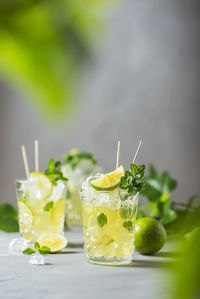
<point>144,83</point>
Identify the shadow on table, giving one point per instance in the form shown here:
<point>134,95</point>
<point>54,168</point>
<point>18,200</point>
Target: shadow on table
<point>172,254</point>
<point>75,245</point>
<point>150,264</point>
<point>68,252</point>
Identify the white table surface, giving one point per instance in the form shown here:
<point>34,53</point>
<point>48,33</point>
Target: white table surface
<point>69,275</point>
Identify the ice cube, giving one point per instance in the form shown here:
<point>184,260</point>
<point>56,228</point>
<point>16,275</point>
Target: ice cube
<point>58,190</point>
<point>17,245</point>
<point>37,259</point>
<point>86,184</point>
<point>35,191</point>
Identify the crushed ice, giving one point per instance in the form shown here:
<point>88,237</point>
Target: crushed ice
<point>37,259</point>
<point>17,245</point>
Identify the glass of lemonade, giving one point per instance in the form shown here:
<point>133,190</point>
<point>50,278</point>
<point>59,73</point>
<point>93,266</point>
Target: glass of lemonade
<point>41,206</point>
<point>77,167</point>
<point>108,220</point>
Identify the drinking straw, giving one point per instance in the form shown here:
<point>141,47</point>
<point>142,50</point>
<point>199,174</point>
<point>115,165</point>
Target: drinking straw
<point>25,161</point>
<point>136,154</point>
<point>36,156</point>
<point>118,150</point>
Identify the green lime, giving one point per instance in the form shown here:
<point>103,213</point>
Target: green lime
<point>150,235</point>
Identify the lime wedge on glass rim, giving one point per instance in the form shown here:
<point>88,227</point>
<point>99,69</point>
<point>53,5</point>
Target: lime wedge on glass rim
<point>43,183</point>
<point>109,181</point>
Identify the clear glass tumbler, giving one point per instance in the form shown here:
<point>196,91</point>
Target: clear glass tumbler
<point>108,223</point>
<point>38,214</point>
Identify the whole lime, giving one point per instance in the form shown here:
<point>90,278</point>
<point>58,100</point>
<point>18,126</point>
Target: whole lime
<point>150,235</point>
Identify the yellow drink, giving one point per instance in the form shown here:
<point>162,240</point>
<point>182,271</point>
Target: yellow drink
<point>40,215</point>
<point>108,223</point>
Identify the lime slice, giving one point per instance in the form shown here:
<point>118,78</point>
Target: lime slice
<point>54,241</point>
<point>43,183</point>
<point>109,181</point>
<point>25,216</point>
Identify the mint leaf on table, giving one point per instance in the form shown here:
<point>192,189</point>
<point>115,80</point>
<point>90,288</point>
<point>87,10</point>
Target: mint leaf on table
<point>8,218</point>
<point>28,251</point>
<point>48,206</point>
<point>73,159</point>
<point>44,250</point>
<point>54,172</point>
<point>41,250</point>
<point>128,225</point>
<point>102,219</point>
<point>37,246</point>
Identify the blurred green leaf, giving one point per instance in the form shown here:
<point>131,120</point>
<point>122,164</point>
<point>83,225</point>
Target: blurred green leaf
<point>44,46</point>
<point>8,218</point>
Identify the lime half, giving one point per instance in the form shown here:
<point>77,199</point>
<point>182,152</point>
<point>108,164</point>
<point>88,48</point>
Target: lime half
<point>109,181</point>
<point>43,183</point>
<point>54,241</point>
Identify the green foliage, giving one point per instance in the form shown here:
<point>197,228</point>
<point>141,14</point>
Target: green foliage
<point>41,250</point>
<point>128,225</point>
<point>131,180</point>
<point>186,271</point>
<point>73,159</point>
<point>44,46</point>
<point>157,188</point>
<point>48,206</point>
<point>8,218</point>
<point>102,219</point>
<point>54,172</point>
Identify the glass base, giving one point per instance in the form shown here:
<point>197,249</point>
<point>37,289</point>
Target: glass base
<point>112,262</point>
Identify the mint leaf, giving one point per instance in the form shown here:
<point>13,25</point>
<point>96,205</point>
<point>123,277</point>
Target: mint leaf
<point>102,219</point>
<point>51,164</point>
<point>28,251</point>
<point>128,225</point>
<point>126,212</point>
<point>44,250</point>
<point>49,206</point>
<point>74,159</point>
<point>37,246</point>
<point>54,172</point>
<point>134,168</point>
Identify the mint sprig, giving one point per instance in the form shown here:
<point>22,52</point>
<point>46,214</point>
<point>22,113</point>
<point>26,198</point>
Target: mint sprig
<point>41,250</point>
<point>74,159</point>
<point>131,181</point>
<point>54,172</point>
